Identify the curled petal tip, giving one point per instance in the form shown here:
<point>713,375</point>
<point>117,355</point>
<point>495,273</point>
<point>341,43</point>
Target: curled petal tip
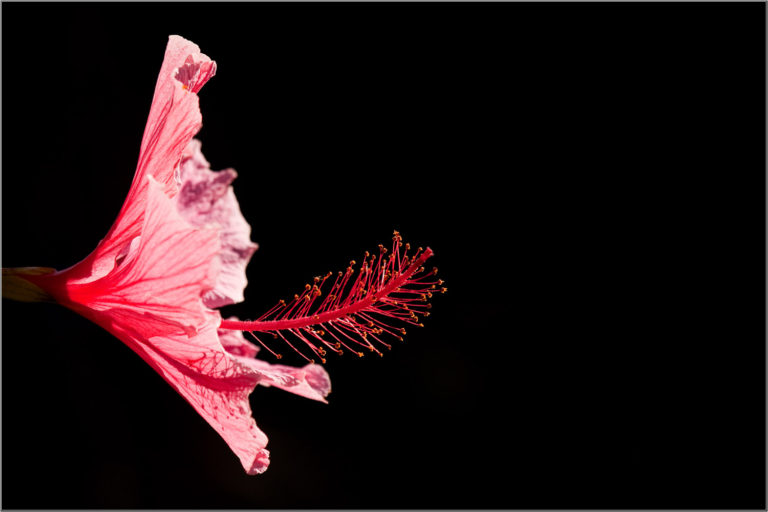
<point>260,463</point>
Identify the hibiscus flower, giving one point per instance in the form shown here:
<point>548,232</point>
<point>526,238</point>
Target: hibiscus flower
<point>179,248</point>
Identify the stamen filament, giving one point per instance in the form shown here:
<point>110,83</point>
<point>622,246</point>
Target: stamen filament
<point>356,307</point>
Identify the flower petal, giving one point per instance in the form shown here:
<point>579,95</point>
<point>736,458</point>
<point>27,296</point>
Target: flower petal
<point>160,280</point>
<point>212,381</point>
<point>311,381</point>
<point>174,118</point>
<point>206,197</point>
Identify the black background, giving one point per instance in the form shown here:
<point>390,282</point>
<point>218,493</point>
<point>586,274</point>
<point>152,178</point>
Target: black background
<point>590,176</point>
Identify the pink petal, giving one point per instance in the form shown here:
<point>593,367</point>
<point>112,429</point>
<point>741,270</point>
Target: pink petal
<point>212,381</point>
<point>311,381</point>
<point>160,279</point>
<point>206,198</point>
<point>174,118</point>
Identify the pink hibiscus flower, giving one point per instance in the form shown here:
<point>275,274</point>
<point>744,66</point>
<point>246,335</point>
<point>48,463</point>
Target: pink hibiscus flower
<point>179,248</point>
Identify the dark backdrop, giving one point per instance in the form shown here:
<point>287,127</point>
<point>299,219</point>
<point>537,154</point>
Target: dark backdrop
<point>590,176</point>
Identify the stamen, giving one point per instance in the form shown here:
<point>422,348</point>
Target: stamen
<point>390,287</point>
